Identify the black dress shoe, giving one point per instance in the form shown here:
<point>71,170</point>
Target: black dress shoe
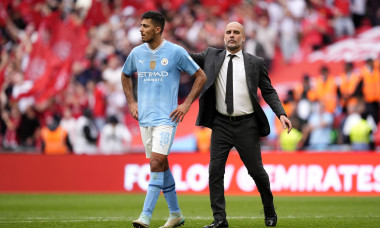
<point>271,221</point>
<point>270,216</point>
<point>217,223</point>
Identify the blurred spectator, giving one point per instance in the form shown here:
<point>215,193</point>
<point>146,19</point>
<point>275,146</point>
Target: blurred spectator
<point>75,98</point>
<point>343,23</point>
<point>319,128</point>
<point>28,131</point>
<point>296,7</point>
<point>92,72</point>
<point>116,102</point>
<point>373,8</point>
<point>275,13</point>
<point>267,36</point>
<point>97,101</point>
<point>111,74</point>
<point>314,26</point>
<point>203,136</point>
<point>68,122</point>
<point>304,89</point>
<point>55,140</point>
<point>304,96</point>
<point>371,88</point>
<point>361,135</point>
<point>86,134</point>
<point>115,137</point>
<point>289,103</point>
<point>324,9</point>
<point>11,120</point>
<point>358,127</point>
<point>358,11</point>
<point>326,90</point>
<point>19,86</point>
<point>288,36</point>
<point>252,46</point>
<point>349,84</point>
<point>102,41</point>
<point>290,107</point>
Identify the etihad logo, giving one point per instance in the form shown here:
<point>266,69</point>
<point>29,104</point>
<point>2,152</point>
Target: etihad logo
<point>153,76</point>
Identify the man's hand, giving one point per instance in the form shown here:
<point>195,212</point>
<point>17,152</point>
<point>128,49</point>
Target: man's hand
<point>133,109</point>
<point>286,123</point>
<point>179,113</point>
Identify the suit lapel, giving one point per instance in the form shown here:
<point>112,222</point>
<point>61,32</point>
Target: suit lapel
<point>248,65</point>
<point>219,62</point>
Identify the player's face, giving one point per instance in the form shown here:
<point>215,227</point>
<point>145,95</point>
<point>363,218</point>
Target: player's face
<point>149,31</point>
<point>234,37</point>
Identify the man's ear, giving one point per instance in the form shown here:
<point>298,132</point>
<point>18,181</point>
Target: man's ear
<point>158,30</point>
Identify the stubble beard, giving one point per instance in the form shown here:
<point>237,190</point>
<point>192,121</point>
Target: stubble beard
<point>233,47</point>
<point>148,41</point>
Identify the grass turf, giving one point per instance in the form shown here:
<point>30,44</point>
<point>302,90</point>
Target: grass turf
<point>118,210</point>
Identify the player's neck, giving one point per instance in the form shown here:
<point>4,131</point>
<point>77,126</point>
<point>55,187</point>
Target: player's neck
<point>156,43</point>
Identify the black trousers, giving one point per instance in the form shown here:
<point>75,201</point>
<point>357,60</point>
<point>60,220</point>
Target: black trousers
<point>244,136</point>
<point>373,109</point>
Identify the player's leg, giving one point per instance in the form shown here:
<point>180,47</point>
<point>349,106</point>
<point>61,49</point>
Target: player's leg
<point>156,182</point>
<point>163,139</point>
<point>175,218</point>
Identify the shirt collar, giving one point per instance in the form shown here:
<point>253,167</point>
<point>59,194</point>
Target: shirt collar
<point>158,48</point>
<point>238,54</point>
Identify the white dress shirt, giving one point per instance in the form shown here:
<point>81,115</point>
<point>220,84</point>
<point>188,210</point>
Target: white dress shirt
<point>242,100</point>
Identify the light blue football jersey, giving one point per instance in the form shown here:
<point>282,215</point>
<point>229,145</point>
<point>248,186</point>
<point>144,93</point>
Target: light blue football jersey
<point>158,74</point>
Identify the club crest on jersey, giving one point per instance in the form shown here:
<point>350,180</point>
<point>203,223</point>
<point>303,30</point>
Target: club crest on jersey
<point>152,64</point>
<point>164,61</point>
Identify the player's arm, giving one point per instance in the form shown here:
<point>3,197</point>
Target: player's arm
<point>179,113</point>
<point>126,81</point>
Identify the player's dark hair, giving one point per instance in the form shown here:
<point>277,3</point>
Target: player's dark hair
<point>156,17</point>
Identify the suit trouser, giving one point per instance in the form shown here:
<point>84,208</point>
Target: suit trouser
<point>244,136</point>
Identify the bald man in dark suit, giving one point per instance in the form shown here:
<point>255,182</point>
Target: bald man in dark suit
<point>229,105</point>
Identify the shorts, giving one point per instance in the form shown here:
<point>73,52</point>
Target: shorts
<point>158,139</point>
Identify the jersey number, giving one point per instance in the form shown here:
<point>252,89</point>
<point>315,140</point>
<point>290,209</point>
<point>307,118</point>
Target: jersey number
<point>164,138</point>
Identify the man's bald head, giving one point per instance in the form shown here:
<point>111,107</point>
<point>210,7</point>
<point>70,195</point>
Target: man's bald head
<point>237,24</point>
<point>234,37</point>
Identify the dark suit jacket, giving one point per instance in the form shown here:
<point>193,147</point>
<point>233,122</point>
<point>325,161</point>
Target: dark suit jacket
<point>211,61</point>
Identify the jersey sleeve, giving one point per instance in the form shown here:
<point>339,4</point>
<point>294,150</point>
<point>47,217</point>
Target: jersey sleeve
<point>185,62</point>
<point>129,67</point>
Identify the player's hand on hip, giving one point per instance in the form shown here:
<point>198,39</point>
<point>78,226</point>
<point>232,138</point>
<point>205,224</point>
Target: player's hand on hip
<point>179,113</point>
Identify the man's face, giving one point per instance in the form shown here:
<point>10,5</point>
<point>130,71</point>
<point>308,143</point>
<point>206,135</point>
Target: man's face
<point>234,37</point>
<point>148,30</point>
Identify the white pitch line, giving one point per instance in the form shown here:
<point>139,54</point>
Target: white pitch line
<point>106,219</point>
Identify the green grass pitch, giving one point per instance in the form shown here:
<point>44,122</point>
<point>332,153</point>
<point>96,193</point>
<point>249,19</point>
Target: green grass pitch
<point>118,210</point>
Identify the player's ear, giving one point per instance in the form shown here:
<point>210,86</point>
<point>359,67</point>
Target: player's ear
<point>158,30</point>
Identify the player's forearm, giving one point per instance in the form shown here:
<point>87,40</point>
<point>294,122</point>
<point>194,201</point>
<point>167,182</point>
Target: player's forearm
<point>199,82</point>
<point>128,89</point>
